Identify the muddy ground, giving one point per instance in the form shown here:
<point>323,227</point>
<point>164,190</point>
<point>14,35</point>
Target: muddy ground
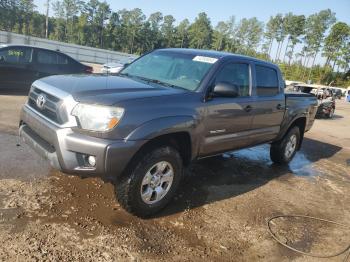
<point>220,213</point>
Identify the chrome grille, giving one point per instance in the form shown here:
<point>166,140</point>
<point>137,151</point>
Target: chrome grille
<point>51,107</point>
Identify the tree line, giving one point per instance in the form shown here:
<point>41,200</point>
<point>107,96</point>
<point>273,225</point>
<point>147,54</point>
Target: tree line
<point>297,40</point>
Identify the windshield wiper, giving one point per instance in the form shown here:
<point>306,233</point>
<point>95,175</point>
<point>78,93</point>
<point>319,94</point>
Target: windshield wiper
<point>135,76</point>
<point>155,81</point>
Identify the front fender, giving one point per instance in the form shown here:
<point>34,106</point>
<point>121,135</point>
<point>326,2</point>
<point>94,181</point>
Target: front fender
<point>163,126</point>
<point>168,125</point>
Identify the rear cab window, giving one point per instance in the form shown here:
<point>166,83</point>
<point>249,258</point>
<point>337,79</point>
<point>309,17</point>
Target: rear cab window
<point>267,83</point>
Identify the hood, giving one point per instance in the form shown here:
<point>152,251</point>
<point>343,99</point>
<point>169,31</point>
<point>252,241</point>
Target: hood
<point>106,90</point>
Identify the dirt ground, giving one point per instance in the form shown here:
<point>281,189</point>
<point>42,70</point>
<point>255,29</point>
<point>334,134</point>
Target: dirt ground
<point>220,213</point>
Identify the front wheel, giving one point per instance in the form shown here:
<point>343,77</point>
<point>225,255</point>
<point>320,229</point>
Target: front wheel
<point>283,151</point>
<point>151,183</point>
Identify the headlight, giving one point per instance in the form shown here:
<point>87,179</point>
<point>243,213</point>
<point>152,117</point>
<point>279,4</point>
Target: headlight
<point>97,118</point>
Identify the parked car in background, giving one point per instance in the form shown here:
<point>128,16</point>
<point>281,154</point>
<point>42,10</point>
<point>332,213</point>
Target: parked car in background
<point>112,68</point>
<point>21,65</point>
<point>116,67</point>
<point>337,92</point>
<point>291,85</point>
<point>347,95</point>
<point>325,98</point>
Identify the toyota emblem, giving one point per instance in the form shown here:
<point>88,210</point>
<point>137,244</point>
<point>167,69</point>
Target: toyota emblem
<point>40,101</point>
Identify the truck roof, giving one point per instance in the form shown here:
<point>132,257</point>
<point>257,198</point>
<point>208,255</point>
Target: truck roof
<point>211,53</point>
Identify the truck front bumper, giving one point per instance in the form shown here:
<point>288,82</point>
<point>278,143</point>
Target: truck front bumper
<point>68,151</point>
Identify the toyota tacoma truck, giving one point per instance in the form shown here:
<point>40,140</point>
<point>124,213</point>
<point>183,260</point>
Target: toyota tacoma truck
<point>164,110</point>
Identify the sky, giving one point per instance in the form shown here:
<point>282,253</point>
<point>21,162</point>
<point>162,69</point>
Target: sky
<point>221,10</point>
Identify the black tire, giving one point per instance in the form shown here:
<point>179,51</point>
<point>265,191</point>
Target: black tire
<point>128,187</point>
<point>278,149</point>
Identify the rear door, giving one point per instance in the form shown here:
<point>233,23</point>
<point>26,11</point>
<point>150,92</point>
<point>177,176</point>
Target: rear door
<point>269,106</point>
<point>228,120</point>
<point>67,65</point>
<point>46,63</point>
<point>55,63</point>
<point>16,71</point>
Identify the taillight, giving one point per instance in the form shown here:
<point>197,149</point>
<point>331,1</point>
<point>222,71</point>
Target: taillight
<point>89,70</point>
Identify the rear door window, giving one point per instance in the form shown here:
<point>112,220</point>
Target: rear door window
<point>62,60</point>
<point>16,55</point>
<point>46,57</point>
<point>266,81</point>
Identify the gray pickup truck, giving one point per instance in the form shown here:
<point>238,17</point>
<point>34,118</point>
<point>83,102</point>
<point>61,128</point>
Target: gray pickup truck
<point>164,110</point>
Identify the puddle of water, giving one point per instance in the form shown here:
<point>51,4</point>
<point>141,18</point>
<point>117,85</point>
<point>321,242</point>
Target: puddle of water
<point>256,154</point>
<point>299,166</point>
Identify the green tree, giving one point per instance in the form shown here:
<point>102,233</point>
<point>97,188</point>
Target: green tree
<point>270,34</point>
<point>220,35</point>
<point>295,30</point>
<point>131,22</point>
<point>344,62</point>
<point>231,35</point>
<point>154,33</point>
<point>82,30</point>
<point>37,25</point>
<point>315,29</point>
<point>26,9</point>
<point>9,14</point>
<point>71,9</point>
<point>200,32</point>
<point>168,31</point>
<point>102,15</point>
<point>60,25</point>
<point>248,35</point>
<point>182,34</point>
<point>335,42</point>
<point>112,32</point>
<point>280,33</point>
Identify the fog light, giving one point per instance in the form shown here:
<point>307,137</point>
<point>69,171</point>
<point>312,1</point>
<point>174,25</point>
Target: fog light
<point>92,160</point>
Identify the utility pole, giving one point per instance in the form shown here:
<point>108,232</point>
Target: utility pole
<point>47,19</point>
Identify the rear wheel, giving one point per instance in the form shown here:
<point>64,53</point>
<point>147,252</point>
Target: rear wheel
<point>283,151</point>
<point>151,183</point>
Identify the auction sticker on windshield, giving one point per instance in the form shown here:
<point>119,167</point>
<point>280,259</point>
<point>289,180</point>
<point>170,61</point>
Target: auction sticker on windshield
<point>205,59</point>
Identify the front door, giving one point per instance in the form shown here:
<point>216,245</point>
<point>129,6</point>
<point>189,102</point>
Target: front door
<point>228,120</point>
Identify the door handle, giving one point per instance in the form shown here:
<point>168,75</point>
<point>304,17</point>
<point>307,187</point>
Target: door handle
<point>248,108</point>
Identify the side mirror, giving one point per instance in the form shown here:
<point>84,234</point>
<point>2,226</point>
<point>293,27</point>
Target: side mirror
<point>225,89</point>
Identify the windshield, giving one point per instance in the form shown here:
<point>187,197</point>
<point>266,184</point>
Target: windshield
<point>172,69</point>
